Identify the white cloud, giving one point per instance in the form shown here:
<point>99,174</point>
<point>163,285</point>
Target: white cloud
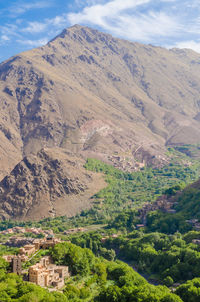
<point>160,22</point>
<point>97,14</point>
<point>9,30</point>
<point>145,27</point>
<point>194,45</point>
<point>5,38</point>
<point>23,32</point>
<point>58,22</point>
<point>33,43</point>
<point>35,27</point>
<point>115,16</point>
<point>81,3</point>
<point>20,8</point>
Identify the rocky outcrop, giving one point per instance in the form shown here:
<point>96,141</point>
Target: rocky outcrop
<point>45,185</point>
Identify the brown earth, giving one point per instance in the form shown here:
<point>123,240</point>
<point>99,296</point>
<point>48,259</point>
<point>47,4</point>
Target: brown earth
<point>48,185</point>
<point>98,96</point>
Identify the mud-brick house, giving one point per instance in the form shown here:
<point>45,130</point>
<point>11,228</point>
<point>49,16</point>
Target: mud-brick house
<point>47,274</point>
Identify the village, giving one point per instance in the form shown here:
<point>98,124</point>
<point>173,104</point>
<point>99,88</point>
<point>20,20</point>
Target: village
<point>44,273</point>
<point>166,205</point>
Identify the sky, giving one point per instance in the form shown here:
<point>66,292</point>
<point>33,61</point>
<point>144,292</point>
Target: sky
<point>26,24</point>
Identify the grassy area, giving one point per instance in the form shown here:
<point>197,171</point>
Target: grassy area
<point>125,191</point>
<point>130,190</point>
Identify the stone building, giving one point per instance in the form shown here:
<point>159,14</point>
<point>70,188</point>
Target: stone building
<point>9,258</point>
<point>16,265</point>
<point>28,250</point>
<point>45,243</point>
<point>47,274</point>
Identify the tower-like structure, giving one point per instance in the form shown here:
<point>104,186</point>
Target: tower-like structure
<point>17,265</point>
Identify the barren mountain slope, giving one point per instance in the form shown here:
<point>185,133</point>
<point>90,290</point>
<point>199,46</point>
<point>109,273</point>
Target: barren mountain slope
<point>93,94</point>
<point>53,183</point>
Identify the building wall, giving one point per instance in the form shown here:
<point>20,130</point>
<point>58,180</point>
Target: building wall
<point>46,274</point>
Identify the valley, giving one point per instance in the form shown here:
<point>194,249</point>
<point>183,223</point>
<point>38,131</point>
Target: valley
<point>162,258</point>
<point>99,147</point>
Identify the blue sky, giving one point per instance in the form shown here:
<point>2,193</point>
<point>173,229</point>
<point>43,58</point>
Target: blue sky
<point>27,24</point>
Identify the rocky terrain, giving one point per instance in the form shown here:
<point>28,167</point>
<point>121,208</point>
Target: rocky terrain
<point>51,183</point>
<point>94,96</point>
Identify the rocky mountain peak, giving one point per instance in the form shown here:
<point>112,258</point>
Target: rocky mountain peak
<point>97,96</point>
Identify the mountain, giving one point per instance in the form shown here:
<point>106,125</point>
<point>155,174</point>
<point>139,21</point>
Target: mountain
<point>94,95</point>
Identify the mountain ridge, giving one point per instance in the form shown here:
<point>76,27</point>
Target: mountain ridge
<point>98,96</point>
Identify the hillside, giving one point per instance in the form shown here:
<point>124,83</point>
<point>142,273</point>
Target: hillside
<point>189,201</point>
<point>90,95</point>
<point>185,216</point>
<point>47,185</point>
<point>100,96</point>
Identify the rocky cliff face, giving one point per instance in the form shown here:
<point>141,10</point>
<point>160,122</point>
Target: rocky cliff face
<point>97,96</point>
<point>47,185</point>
